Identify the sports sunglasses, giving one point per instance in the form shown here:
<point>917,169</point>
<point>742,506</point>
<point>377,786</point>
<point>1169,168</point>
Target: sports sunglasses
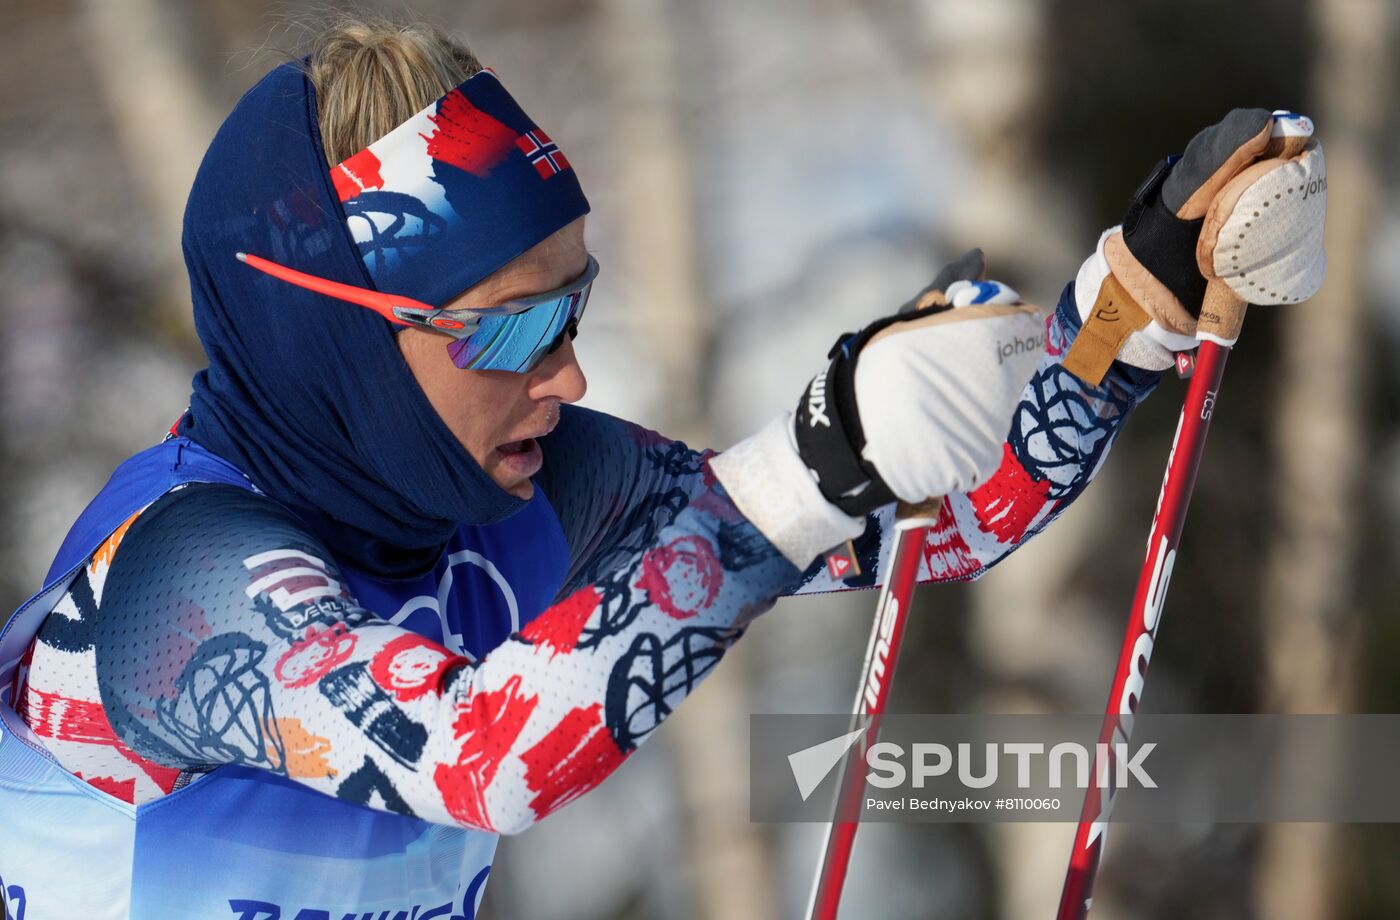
<point>512,336</point>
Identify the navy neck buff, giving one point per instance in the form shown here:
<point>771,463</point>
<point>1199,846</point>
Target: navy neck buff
<point>310,397</point>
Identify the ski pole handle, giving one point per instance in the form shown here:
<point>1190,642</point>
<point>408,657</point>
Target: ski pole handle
<point>1222,309</point>
<point>1222,314</point>
<point>920,514</point>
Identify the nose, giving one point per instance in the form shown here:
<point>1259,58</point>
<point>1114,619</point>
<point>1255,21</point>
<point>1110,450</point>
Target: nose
<point>558,376</point>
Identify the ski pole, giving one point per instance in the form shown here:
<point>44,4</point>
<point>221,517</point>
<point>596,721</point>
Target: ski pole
<point>1221,317</point>
<point>912,523</point>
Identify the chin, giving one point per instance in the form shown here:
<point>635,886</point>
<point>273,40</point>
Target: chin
<point>523,489</point>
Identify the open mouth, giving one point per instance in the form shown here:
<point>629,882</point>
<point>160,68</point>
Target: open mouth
<point>522,459</point>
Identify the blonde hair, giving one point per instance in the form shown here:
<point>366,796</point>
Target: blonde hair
<point>370,75</point>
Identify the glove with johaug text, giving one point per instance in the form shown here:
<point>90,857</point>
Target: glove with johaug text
<point>915,405</point>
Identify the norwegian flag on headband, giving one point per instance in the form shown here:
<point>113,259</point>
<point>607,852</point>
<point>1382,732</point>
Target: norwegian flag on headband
<point>546,156</point>
<point>455,192</point>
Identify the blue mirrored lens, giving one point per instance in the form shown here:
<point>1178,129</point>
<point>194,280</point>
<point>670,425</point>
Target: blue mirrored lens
<point>516,342</point>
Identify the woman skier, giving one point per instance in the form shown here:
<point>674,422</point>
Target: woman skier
<point>385,594</point>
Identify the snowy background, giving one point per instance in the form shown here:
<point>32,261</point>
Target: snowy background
<point>764,175</point>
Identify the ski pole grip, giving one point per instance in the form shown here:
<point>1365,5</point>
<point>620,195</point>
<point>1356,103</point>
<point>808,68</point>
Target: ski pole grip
<point>924,512</point>
<point>1222,310</point>
<point>1222,314</point>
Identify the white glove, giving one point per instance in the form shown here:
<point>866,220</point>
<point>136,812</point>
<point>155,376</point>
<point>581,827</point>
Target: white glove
<point>914,406</point>
<point>935,396</point>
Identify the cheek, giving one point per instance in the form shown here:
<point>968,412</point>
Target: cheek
<point>448,390</point>
<point>473,405</point>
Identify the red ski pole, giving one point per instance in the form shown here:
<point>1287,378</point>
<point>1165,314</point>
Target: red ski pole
<point>1221,317</point>
<point>877,674</point>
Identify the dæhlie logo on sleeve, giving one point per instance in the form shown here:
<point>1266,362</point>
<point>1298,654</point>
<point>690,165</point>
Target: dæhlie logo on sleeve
<point>463,909</point>
<point>12,901</point>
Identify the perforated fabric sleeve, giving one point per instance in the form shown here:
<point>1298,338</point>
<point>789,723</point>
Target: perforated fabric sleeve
<point>614,485</point>
<point>601,475</point>
<point>225,635</point>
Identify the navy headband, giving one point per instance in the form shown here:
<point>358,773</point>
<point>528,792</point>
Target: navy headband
<point>455,192</point>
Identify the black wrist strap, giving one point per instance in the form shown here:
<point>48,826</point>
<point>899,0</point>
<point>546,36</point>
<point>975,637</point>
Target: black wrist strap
<point>1164,243</point>
<point>830,439</point>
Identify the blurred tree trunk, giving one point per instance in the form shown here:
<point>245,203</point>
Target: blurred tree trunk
<point>162,119</point>
<point>985,72</point>
<point>726,858</point>
<point>660,253</point>
<point>1310,604</point>
<point>986,68</point>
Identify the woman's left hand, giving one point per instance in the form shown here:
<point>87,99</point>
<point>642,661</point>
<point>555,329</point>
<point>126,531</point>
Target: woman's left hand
<point>913,406</point>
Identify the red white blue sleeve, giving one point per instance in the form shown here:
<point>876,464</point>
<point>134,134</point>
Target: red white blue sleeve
<point>196,669</point>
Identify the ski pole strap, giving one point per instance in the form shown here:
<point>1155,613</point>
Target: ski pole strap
<point>1114,317</point>
<point>1162,242</point>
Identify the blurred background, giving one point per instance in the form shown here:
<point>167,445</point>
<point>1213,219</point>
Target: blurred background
<point>764,175</point>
